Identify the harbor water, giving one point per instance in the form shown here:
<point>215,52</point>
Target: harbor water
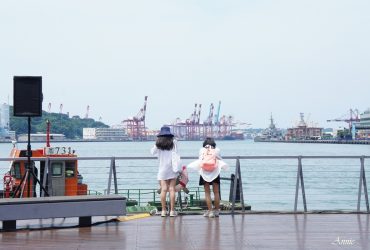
<point>268,184</point>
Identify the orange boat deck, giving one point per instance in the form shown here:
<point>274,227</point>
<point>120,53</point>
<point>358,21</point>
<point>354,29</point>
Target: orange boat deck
<point>248,231</point>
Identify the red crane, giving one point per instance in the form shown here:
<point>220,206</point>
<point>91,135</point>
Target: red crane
<point>87,112</point>
<point>192,124</point>
<point>208,124</point>
<point>135,126</point>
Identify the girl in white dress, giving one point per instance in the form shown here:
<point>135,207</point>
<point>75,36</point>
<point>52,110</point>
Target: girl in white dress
<point>167,175</point>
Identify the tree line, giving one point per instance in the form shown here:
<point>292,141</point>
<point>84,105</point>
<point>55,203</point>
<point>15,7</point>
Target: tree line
<point>60,124</point>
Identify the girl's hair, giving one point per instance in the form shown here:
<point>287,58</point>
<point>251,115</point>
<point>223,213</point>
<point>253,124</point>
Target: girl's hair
<point>164,142</point>
<point>209,141</point>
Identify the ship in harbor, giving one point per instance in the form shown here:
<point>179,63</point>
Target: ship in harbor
<point>362,127</point>
<point>270,134</point>
<point>303,131</point>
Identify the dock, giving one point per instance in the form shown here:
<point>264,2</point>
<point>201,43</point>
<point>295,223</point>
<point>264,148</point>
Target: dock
<point>240,231</point>
<point>363,142</point>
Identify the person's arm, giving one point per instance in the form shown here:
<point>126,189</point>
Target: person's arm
<point>201,153</point>
<point>218,155</point>
<point>175,145</point>
<point>154,150</point>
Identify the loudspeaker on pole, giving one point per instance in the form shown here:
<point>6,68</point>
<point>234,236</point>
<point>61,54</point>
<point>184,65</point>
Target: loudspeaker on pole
<point>27,96</point>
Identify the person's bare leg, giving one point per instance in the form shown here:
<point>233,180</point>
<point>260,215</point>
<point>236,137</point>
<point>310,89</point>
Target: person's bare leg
<point>207,193</point>
<point>216,193</point>
<point>172,194</point>
<point>163,194</point>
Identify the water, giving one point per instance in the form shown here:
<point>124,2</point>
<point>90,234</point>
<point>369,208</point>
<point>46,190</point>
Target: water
<point>268,184</point>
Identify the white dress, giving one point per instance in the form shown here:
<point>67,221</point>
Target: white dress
<point>165,171</point>
<point>206,175</point>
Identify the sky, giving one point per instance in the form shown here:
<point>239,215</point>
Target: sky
<point>279,57</point>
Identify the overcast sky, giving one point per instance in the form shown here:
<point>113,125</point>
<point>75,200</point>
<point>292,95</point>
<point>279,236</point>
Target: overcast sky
<point>255,56</point>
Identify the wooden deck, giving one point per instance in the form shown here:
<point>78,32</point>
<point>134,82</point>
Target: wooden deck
<point>248,231</point>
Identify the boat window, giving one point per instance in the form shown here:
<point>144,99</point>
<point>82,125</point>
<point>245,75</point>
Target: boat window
<point>16,170</point>
<point>57,169</point>
<point>70,169</point>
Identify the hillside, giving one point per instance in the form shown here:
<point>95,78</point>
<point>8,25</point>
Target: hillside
<point>60,124</point>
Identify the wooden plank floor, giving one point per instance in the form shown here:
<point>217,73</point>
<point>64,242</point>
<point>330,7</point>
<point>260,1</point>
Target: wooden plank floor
<point>248,231</point>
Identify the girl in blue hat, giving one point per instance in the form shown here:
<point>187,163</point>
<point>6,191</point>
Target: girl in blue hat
<point>167,174</point>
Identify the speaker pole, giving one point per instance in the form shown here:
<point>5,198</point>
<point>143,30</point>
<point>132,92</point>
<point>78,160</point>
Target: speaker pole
<point>29,155</point>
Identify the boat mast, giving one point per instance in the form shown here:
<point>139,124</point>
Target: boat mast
<point>47,133</point>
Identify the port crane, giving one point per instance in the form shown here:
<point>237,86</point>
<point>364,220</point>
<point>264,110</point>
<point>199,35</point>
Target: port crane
<point>208,123</point>
<point>353,117</point>
<point>217,116</point>
<point>136,125</point>
<point>192,124</point>
<point>87,112</point>
<point>61,108</point>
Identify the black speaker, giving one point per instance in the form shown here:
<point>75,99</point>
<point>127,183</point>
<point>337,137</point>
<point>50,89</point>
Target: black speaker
<point>27,96</point>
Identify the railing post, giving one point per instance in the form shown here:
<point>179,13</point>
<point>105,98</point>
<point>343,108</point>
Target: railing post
<point>240,184</point>
<point>139,198</point>
<point>50,179</point>
<point>362,182</point>
<point>44,178</point>
<point>237,179</point>
<point>110,175</point>
<point>115,176</point>
<point>300,182</point>
<point>179,198</point>
<point>296,189</point>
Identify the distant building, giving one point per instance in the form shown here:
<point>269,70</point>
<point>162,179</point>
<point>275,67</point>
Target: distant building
<point>303,131</point>
<point>363,126</point>
<point>5,134</point>
<point>41,137</point>
<point>104,134</point>
<point>4,116</point>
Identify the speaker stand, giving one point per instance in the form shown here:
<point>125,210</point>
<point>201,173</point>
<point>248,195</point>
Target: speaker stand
<point>29,171</point>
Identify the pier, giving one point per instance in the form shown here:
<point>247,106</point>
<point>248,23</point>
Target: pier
<point>248,231</point>
<point>364,142</point>
<point>312,213</point>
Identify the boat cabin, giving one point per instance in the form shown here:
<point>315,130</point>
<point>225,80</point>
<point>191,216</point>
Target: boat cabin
<point>60,178</point>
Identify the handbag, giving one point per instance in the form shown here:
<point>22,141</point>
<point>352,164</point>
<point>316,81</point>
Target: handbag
<point>176,160</point>
<point>209,160</point>
<point>184,177</point>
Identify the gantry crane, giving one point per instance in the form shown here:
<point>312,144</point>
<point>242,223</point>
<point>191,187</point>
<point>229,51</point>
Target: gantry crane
<point>353,117</point>
<point>208,123</point>
<point>192,124</point>
<point>135,126</point>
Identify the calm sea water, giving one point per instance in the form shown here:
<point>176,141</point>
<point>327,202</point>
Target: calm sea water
<point>267,184</point>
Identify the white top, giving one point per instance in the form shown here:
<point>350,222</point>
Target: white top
<point>165,171</point>
<point>206,175</point>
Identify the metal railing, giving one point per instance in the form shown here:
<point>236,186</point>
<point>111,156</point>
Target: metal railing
<point>249,175</point>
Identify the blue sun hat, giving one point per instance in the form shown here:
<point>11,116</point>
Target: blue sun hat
<point>165,131</point>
